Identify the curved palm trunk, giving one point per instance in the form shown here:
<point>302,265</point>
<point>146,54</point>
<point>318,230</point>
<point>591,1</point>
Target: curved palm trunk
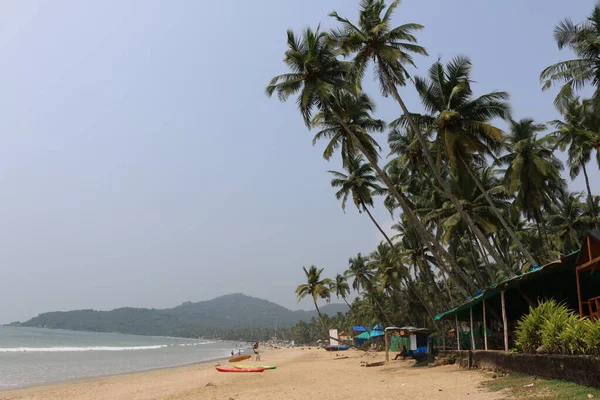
<point>377,225</point>
<point>473,257</point>
<point>410,284</point>
<point>590,196</point>
<point>373,296</point>
<point>393,248</point>
<point>499,215</point>
<point>348,304</point>
<point>480,236</point>
<point>456,273</point>
<point>321,318</point>
<point>542,235</point>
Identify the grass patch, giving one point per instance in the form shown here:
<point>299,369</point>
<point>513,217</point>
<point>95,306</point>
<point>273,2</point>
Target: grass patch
<point>514,386</point>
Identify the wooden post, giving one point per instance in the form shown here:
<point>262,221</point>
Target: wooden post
<point>485,344</point>
<point>579,293</point>
<point>387,347</point>
<point>504,320</point>
<point>443,337</point>
<point>472,333</point>
<point>457,333</point>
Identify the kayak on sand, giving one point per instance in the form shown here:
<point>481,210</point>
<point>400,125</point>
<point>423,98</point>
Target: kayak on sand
<point>238,359</point>
<point>255,366</point>
<point>240,369</point>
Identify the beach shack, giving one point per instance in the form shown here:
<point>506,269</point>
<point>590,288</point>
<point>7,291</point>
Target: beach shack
<point>360,335</point>
<point>415,340</point>
<point>573,280</point>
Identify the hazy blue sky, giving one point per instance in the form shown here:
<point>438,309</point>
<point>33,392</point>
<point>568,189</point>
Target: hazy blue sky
<point>141,163</point>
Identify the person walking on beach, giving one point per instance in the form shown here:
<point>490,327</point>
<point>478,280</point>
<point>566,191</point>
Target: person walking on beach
<point>255,348</point>
<point>239,352</point>
<point>231,353</point>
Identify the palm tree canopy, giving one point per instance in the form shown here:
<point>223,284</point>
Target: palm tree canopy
<point>315,72</point>
<point>461,121</point>
<point>582,39</point>
<point>578,132</point>
<point>315,286</point>
<point>355,111</point>
<point>340,286</point>
<point>359,270</point>
<point>533,171</point>
<point>359,183</point>
<point>374,39</point>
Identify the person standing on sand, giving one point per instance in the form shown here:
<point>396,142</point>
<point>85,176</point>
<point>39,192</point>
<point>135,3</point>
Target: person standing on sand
<point>255,348</point>
<point>231,353</point>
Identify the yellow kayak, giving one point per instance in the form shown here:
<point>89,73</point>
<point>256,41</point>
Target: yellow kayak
<point>254,366</point>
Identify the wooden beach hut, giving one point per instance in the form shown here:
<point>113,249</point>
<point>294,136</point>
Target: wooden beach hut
<point>573,279</point>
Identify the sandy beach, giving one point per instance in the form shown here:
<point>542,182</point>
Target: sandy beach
<point>301,374</point>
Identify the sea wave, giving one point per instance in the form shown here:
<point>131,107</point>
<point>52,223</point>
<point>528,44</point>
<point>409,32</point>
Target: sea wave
<point>76,349</point>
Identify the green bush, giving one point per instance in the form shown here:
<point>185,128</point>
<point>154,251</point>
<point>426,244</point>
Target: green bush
<point>572,338</point>
<point>553,328</point>
<point>529,328</point>
<point>592,337</point>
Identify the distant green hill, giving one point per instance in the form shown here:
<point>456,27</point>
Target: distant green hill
<point>204,318</point>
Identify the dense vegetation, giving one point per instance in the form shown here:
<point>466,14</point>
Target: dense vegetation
<point>233,316</point>
<point>553,328</point>
<point>476,195</point>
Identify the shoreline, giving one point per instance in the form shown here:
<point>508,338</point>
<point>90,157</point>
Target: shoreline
<point>300,374</point>
<point>118,374</point>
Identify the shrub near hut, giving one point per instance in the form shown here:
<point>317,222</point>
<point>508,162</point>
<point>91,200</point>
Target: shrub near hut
<point>553,328</point>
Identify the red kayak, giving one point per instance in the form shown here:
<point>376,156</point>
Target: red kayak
<point>240,370</point>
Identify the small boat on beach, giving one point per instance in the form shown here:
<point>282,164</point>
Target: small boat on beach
<point>337,348</point>
<point>241,358</point>
<point>240,369</point>
<point>255,366</point>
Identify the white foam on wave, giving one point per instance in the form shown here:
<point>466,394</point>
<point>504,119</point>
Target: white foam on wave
<point>76,349</point>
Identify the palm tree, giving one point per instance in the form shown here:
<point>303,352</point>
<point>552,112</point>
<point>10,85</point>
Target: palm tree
<point>357,117</point>
<point>341,288</point>
<point>578,133</point>
<point>315,287</point>
<point>568,222</point>
<point>533,172</point>
<point>463,128</point>
<point>315,72</point>
<point>582,39</point>
<point>319,79</point>
<point>360,183</point>
<point>373,39</point>
<point>359,270</point>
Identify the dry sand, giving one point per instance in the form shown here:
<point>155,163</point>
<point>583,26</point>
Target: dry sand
<point>300,374</point>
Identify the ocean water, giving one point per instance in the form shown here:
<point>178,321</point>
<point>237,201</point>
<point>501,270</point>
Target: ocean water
<point>33,356</point>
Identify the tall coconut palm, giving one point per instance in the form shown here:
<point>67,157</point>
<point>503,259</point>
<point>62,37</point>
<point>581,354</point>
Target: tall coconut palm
<point>315,287</point>
<point>582,39</point>
<point>579,133</point>
<point>568,222</point>
<point>340,287</point>
<point>374,39</point>
<point>532,173</point>
<point>319,80</point>
<point>362,274</point>
<point>359,183</point>
<point>462,124</point>
<point>357,117</point>
<point>315,72</point>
